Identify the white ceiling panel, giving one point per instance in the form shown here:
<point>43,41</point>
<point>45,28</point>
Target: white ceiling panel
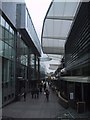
<point>57,25</point>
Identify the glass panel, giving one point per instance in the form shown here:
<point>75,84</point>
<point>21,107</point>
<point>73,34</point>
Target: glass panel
<point>3,33</point>
<point>63,9</point>
<point>1,49</point>
<point>22,52</point>
<point>66,25</point>
<point>32,60</point>
<point>57,28</point>
<point>11,39</point>
<point>37,63</point>
<point>70,8</point>
<point>0,19</point>
<point>6,36</point>
<point>6,70</point>
<point>10,52</point>
<point>0,32</point>
<point>6,51</point>
<point>11,30</point>
<point>32,66</point>
<point>2,22</point>
<point>7,26</point>
<point>11,72</point>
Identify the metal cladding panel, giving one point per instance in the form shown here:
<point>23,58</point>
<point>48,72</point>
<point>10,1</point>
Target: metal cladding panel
<point>20,20</point>
<point>57,24</point>
<point>0,5</point>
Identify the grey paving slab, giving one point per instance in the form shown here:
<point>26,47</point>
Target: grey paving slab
<point>33,108</point>
<point>38,108</point>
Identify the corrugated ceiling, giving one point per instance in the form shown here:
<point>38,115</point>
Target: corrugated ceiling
<point>57,25</point>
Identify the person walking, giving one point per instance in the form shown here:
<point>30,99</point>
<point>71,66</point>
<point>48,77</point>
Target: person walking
<point>40,87</point>
<point>44,86</point>
<point>47,94</point>
<point>32,92</point>
<point>37,92</point>
<point>24,96</point>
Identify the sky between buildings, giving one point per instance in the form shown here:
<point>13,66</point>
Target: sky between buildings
<point>37,10</point>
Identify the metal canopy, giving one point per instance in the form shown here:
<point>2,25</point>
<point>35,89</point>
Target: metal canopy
<point>57,25</point>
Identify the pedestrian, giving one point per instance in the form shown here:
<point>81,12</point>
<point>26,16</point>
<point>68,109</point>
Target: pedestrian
<point>40,87</point>
<point>32,92</point>
<point>47,94</point>
<point>37,92</point>
<point>24,96</point>
<point>44,86</point>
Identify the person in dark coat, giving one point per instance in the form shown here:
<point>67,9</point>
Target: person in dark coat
<point>44,86</point>
<point>40,87</point>
<point>24,96</point>
<point>37,92</point>
<point>32,92</point>
<point>47,94</point>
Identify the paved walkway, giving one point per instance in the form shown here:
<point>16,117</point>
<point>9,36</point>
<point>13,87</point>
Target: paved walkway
<point>39,108</point>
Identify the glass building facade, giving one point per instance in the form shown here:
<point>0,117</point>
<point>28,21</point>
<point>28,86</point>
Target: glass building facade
<point>19,53</point>
<point>7,54</point>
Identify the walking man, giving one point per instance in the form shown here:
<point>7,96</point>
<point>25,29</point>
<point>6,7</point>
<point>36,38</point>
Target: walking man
<point>47,94</point>
<point>24,96</point>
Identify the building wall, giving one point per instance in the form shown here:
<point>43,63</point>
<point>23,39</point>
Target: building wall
<point>77,47</point>
<point>24,21</point>
<point>77,56</point>
<point>7,53</point>
<point>19,61</point>
<point>0,80</point>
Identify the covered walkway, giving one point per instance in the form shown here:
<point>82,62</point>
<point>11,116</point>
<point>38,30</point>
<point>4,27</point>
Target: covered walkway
<point>39,108</point>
